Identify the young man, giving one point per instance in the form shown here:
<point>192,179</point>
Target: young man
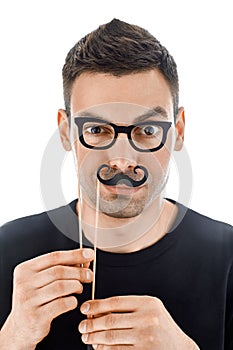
<point>161,282</point>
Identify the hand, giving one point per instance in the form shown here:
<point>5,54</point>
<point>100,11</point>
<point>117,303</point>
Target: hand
<point>42,291</point>
<point>143,322</point>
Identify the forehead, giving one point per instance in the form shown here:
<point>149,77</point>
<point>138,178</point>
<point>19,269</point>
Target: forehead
<point>145,90</point>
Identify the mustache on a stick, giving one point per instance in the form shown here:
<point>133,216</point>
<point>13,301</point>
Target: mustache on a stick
<point>125,179</point>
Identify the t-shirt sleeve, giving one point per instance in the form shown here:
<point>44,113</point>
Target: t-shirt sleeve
<point>6,273</point>
<point>229,312</point>
<point>4,281</point>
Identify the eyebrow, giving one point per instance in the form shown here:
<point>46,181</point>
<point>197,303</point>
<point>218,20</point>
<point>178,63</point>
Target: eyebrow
<point>152,112</point>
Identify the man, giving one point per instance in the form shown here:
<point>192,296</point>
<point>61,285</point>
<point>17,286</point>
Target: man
<point>160,283</point>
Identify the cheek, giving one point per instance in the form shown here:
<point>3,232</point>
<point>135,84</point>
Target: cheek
<point>85,156</point>
<point>163,156</point>
<point>88,162</point>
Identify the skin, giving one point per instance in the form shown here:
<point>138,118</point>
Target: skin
<point>145,324</point>
<point>42,291</point>
<point>43,286</point>
<point>124,321</point>
<point>149,89</point>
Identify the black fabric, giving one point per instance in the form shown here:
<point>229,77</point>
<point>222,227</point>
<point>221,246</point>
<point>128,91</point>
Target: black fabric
<point>189,269</point>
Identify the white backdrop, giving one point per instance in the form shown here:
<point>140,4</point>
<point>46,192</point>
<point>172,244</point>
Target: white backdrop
<point>35,38</point>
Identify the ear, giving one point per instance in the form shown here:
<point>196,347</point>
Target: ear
<point>180,125</point>
<point>63,125</point>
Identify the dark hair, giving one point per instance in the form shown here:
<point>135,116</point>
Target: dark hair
<point>119,48</point>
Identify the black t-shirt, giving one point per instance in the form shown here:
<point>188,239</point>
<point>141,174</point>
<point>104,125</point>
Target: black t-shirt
<point>189,269</point>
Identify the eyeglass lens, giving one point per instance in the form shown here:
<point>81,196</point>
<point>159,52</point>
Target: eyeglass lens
<point>146,136</point>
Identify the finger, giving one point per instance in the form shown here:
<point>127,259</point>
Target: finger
<point>61,272</point>
<point>113,304</point>
<point>59,306</point>
<point>109,321</point>
<point>69,257</point>
<point>110,337</point>
<point>56,290</point>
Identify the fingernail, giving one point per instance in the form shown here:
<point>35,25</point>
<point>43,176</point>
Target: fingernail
<point>83,327</point>
<point>88,253</point>
<point>85,338</point>
<point>94,346</point>
<point>85,308</point>
<point>89,275</point>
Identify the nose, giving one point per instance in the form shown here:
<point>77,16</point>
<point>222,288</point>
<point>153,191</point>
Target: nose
<point>122,164</point>
<point>122,155</point>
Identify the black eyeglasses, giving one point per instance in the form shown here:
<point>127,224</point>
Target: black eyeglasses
<point>99,134</point>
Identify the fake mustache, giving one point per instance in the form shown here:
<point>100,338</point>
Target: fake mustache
<point>125,179</point>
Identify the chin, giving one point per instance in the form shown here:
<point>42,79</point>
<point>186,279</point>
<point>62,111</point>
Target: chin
<point>132,209</point>
<point>122,215</point>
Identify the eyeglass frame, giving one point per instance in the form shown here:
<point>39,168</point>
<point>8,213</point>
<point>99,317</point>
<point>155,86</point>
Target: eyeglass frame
<point>121,129</point>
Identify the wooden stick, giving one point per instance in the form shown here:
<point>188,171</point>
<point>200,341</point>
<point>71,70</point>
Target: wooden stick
<point>80,234</point>
<point>95,236</point>
<point>76,157</point>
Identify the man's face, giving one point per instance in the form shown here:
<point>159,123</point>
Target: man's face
<point>123,101</point>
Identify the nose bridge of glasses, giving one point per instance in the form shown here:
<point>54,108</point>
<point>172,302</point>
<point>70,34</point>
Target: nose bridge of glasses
<point>122,131</point>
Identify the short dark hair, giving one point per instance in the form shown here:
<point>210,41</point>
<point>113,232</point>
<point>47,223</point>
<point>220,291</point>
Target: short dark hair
<point>119,48</point>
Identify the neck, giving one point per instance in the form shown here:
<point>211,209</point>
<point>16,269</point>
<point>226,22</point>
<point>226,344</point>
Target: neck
<point>129,234</point>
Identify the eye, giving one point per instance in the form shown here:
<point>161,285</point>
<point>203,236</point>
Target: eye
<point>95,130</point>
<point>149,130</point>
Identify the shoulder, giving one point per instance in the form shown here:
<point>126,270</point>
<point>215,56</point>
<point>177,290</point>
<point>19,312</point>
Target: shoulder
<point>211,227</point>
<point>38,229</point>
<point>209,235</point>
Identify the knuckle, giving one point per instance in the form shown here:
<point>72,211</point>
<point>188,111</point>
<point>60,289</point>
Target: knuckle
<point>109,321</point>
<point>115,301</point>
<point>17,269</point>
<point>54,257</point>
<point>82,274</point>
<point>158,304</point>
<point>147,300</point>
<point>63,304</point>
<point>110,337</point>
<point>154,320</point>
<point>90,325</point>
<point>19,272</point>
<point>77,256</point>
<point>153,303</point>
<point>59,287</point>
<point>71,302</point>
<point>150,340</point>
<point>57,272</point>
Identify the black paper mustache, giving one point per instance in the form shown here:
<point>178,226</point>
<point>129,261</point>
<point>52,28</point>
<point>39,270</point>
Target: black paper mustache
<point>125,179</point>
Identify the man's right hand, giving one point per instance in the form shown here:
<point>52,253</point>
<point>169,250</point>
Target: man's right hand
<point>43,289</point>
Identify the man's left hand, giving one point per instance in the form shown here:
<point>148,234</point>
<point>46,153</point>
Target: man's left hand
<point>121,322</point>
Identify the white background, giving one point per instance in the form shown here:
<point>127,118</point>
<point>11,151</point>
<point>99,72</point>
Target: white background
<point>35,38</point>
